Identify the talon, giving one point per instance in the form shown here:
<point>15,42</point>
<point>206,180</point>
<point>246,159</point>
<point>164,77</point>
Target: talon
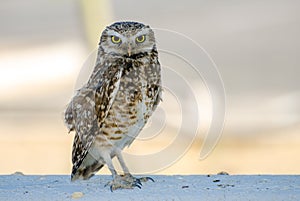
<point>108,184</point>
<point>149,178</point>
<point>138,181</point>
<point>135,185</point>
<point>145,179</point>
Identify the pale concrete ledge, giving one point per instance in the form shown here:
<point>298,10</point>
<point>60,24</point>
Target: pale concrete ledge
<point>194,187</point>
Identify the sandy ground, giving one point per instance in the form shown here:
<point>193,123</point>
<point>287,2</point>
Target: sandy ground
<point>194,187</point>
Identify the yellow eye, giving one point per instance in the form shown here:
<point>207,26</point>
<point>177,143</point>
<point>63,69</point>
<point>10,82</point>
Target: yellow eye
<point>140,39</point>
<point>115,39</point>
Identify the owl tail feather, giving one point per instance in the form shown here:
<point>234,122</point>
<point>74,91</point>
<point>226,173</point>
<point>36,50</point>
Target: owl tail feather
<point>85,173</point>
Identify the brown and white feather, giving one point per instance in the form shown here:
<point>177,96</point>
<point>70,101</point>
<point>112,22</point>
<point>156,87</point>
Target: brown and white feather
<point>123,91</point>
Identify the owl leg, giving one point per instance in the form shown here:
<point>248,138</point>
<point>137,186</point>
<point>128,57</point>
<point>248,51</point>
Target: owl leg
<point>127,176</point>
<point>118,181</point>
<point>122,162</point>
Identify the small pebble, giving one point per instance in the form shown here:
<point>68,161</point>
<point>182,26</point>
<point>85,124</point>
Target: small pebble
<point>225,185</point>
<point>77,195</point>
<point>223,173</point>
<point>18,173</point>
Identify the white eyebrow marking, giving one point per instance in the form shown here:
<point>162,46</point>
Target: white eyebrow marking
<point>114,33</point>
<point>142,32</point>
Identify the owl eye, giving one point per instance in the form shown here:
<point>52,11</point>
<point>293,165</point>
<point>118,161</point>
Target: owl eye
<point>115,39</point>
<point>140,39</point>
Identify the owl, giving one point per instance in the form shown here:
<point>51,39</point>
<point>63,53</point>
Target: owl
<point>111,109</point>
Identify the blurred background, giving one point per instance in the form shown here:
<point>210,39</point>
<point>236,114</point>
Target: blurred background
<point>255,44</point>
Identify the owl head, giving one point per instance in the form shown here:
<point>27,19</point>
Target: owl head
<point>127,39</point>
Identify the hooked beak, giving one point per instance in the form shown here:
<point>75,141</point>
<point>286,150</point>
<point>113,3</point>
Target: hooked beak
<point>129,50</point>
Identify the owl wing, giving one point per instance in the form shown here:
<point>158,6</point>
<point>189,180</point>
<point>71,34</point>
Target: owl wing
<point>84,118</point>
<point>89,108</point>
<point>156,86</point>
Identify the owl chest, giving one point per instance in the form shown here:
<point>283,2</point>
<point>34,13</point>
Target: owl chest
<point>129,112</point>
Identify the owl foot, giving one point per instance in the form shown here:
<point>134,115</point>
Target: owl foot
<point>119,182</point>
<point>127,181</point>
<point>128,177</point>
<point>145,179</point>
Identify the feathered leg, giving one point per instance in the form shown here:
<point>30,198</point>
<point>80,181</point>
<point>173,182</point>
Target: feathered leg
<point>118,181</point>
<point>137,182</point>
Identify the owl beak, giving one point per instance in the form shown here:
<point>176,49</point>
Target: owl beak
<point>129,50</point>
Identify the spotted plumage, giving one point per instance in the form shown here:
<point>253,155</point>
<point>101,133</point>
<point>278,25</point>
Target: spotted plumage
<point>111,109</point>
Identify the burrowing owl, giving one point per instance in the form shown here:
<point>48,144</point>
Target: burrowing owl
<point>110,110</point>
